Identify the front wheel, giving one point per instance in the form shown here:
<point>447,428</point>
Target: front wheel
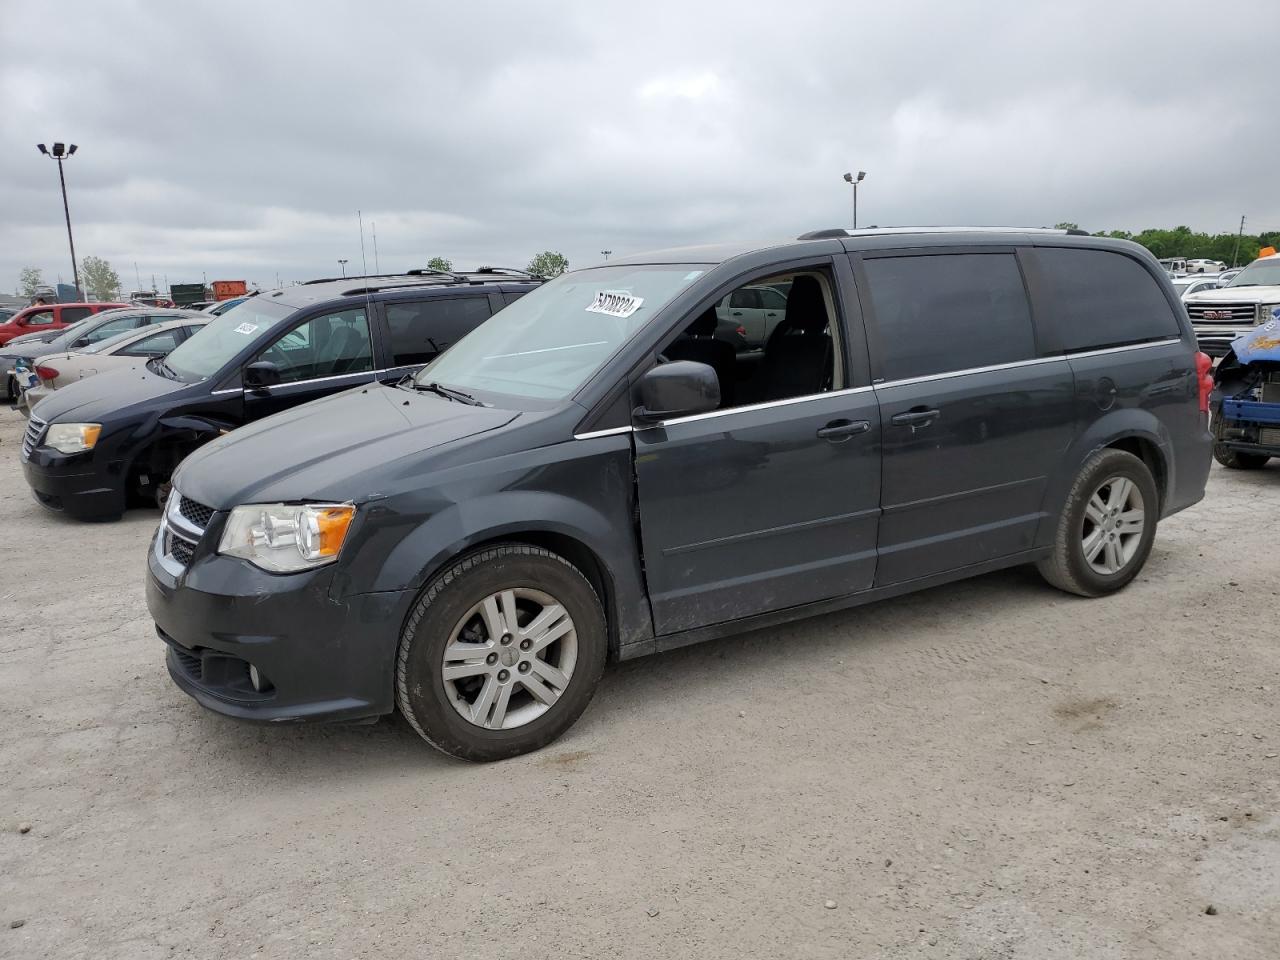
<point>1234,459</point>
<point>501,654</point>
<point>1107,526</point>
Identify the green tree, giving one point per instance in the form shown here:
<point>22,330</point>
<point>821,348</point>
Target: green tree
<point>1066,225</point>
<point>548,263</point>
<point>29,279</point>
<point>440,263</point>
<point>100,281</point>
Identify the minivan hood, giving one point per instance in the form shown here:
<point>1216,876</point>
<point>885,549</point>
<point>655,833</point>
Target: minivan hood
<point>98,400</point>
<point>1267,294</point>
<point>319,450</point>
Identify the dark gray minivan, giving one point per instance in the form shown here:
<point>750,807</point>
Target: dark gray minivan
<point>594,473</point>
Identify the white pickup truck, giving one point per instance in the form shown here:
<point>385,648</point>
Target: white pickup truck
<point>1250,298</point>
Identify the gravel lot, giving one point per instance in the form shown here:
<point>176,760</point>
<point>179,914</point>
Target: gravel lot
<point>990,769</point>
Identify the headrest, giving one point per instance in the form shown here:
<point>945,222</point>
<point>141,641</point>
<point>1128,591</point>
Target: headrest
<point>806,310</point>
<point>705,325</point>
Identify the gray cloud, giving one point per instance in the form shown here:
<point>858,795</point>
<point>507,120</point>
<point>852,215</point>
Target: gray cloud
<point>239,139</point>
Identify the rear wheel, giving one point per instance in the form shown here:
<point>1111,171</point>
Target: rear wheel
<point>501,654</point>
<point>1107,526</point>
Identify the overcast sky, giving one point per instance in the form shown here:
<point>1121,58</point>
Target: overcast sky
<point>237,140</point>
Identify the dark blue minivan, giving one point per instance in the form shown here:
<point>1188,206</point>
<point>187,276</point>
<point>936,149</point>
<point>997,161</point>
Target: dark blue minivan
<point>596,473</point>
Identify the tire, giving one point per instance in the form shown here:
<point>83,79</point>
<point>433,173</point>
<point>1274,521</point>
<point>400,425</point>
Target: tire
<point>1234,459</point>
<point>463,710</point>
<point>1120,549</point>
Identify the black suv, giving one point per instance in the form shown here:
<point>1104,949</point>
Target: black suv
<point>594,474</point>
<point>92,446</point>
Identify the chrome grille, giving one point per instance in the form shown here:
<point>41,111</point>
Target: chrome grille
<point>181,528</point>
<point>1234,313</point>
<point>197,513</point>
<point>31,439</point>
<point>1269,436</point>
<point>181,550</point>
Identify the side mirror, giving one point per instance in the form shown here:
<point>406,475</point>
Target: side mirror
<point>80,344</point>
<point>677,389</point>
<point>261,374</point>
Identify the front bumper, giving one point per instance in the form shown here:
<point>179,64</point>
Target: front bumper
<point>317,658</point>
<point>1250,426</point>
<point>1216,341</point>
<point>87,486</point>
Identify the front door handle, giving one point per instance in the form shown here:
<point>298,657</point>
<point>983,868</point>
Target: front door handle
<point>843,429</point>
<point>915,417</point>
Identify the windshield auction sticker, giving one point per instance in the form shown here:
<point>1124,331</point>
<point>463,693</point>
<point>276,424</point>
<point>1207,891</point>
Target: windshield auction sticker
<point>615,303</point>
<point>246,328</point>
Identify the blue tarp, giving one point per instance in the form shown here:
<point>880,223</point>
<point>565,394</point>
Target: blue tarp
<point>1261,343</point>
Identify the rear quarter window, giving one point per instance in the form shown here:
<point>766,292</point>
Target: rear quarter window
<point>1101,299</point>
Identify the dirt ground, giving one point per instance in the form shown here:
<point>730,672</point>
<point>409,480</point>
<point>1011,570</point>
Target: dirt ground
<point>986,770</point>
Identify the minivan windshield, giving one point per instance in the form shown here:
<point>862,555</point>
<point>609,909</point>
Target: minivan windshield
<point>1260,273</point>
<point>208,351</point>
<point>549,342</point>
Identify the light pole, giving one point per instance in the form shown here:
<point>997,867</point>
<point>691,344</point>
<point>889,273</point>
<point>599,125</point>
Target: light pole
<point>605,253</point>
<point>343,264</point>
<point>850,178</point>
<point>59,153</point>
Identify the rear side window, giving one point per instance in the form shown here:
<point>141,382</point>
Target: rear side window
<point>423,329</point>
<point>1102,299</point>
<point>72,314</point>
<point>939,314</point>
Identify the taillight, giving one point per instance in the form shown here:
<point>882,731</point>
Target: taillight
<point>1204,366</point>
<point>741,331</point>
<point>46,373</point>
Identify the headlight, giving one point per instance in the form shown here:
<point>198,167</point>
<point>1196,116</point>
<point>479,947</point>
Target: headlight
<point>1268,311</point>
<point>285,538</point>
<point>72,437</point>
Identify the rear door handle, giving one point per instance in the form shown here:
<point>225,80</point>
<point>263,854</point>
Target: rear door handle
<point>843,429</point>
<point>914,418</point>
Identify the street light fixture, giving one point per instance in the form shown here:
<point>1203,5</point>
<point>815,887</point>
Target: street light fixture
<point>60,152</point>
<point>343,264</point>
<point>851,179</point>
<point>605,253</point>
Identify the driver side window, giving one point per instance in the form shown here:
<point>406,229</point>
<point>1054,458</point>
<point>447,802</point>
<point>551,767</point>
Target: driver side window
<point>330,345</point>
<point>793,351</point>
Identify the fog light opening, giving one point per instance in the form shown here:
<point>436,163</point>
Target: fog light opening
<point>260,683</point>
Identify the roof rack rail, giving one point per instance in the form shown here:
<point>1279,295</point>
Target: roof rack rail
<point>429,271</point>
<point>354,276</point>
<point>834,232</point>
<point>509,270</point>
<point>824,234</point>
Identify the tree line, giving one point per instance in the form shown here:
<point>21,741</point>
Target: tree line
<point>1230,248</point>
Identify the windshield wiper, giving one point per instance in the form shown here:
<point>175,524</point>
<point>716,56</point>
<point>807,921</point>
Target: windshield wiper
<point>449,393</point>
<point>159,366</point>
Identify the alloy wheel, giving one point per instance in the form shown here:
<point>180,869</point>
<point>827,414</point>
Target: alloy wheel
<point>509,658</point>
<point>1114,519</point>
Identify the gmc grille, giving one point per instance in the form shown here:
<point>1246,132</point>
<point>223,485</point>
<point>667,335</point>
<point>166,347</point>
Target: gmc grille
<point>1232,313</point>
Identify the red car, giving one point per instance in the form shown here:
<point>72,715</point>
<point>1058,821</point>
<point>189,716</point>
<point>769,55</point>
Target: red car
<point>53,316</point>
